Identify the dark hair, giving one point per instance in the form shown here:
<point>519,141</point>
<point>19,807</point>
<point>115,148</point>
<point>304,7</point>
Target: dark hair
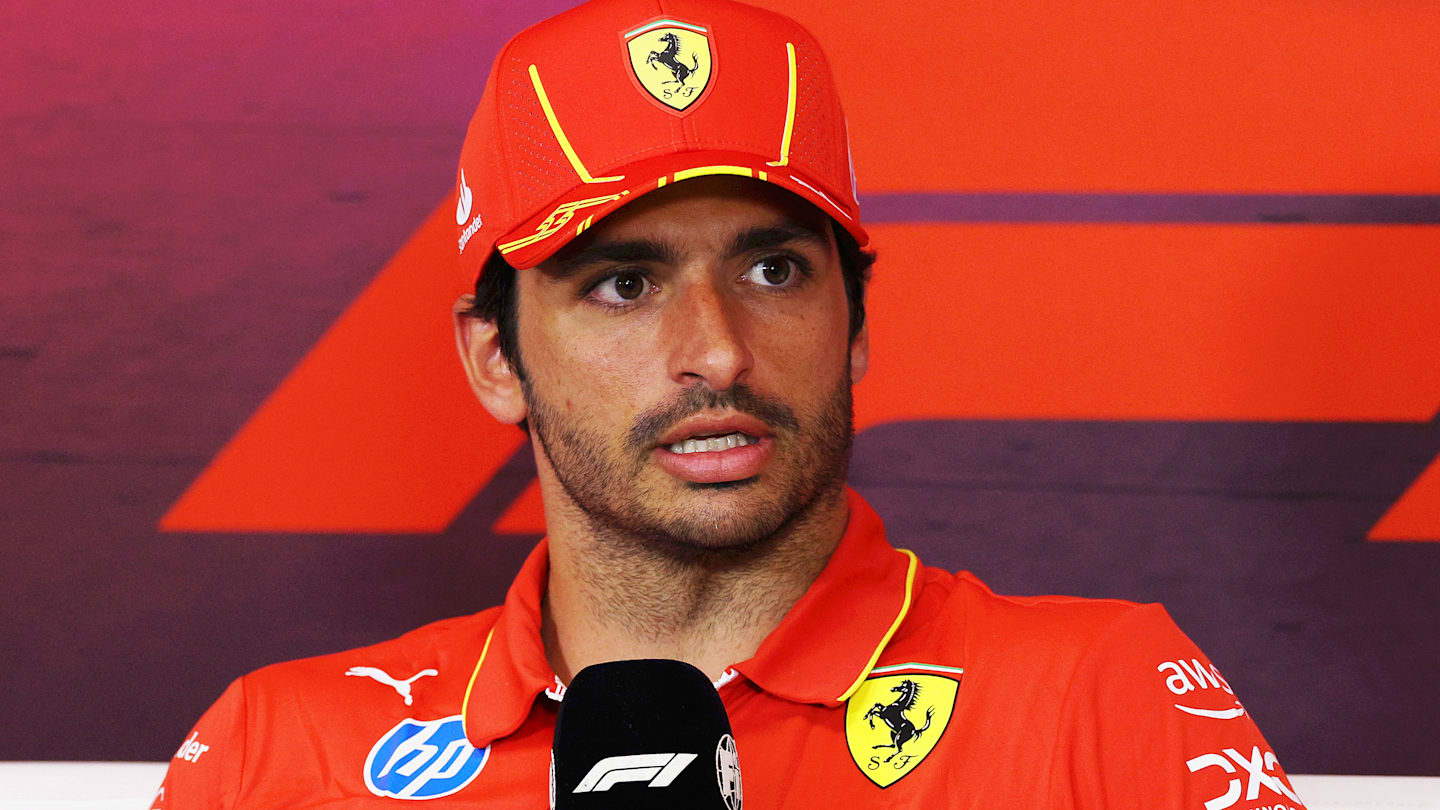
<point>496,299</point>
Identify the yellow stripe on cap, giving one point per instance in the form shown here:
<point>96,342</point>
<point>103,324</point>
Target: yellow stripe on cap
<point>701,171</point>
<point>557,220</point>
<point>789,111</point>
<point>904,609</point>
<point>560,134</point>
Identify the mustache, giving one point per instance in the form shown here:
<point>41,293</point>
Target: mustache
<point>648,426</point>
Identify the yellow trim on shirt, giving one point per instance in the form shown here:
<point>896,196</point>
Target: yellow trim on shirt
<point>904,609</point>
<point>465,705</point>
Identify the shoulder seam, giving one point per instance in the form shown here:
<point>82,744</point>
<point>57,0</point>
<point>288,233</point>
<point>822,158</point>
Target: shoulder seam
<point>1080,663</point>
<point>968,577</point>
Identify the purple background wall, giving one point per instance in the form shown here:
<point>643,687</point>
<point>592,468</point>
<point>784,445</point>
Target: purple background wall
<point>189,196</point>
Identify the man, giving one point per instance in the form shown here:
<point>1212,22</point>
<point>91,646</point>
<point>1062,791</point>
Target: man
<point>656,207</point>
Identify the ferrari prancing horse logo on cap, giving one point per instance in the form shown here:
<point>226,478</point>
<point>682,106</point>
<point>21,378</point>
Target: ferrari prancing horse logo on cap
<point>671,61</point>
<point>896,717</point>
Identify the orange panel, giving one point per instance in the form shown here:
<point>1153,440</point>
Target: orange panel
<point>375,430</point>
<point>1143,322</point>
<point>526,515</point>
<point>1232,95</point>
<point>1416,516</point>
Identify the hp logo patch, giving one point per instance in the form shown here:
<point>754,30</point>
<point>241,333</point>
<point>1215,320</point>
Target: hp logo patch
<point>423,759</point>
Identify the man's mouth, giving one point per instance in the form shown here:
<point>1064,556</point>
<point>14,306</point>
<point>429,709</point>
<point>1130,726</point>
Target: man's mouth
<point>713,444</point>
<point>713,448</point>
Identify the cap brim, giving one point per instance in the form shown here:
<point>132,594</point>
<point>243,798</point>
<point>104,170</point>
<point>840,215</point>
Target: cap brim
<point>565,218</point>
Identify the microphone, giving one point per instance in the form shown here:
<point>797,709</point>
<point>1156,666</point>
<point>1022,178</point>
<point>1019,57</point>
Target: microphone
<point>640,735</point>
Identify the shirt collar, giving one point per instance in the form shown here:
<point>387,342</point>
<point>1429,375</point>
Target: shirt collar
<point>512,668</point>
<point>829,641</point>
<point>820,653</point>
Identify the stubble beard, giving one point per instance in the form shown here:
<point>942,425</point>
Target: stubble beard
<point>606,486</point>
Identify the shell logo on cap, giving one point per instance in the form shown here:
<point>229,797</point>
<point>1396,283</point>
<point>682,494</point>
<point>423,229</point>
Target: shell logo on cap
<point>671,62</point>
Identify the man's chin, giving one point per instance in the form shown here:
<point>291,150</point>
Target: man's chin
<point>728,515</point>
<point>686,537</point>
<point>721,486</point>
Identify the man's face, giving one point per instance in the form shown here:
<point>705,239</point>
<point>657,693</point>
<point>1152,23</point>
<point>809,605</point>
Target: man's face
<point>688,364</point>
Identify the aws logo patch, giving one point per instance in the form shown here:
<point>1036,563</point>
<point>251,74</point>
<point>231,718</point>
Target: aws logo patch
<point>895,719</point>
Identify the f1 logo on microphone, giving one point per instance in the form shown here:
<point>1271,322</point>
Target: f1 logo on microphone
<point>659,770</point>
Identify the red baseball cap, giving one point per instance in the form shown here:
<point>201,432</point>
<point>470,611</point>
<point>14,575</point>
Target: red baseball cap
<point>591,109</point>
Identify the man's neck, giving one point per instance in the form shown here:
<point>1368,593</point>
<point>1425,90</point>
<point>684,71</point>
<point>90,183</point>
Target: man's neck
<point>611,599</point>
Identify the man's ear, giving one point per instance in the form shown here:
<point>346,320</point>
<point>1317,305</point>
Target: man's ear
<point>860,354</point>
<point>491,378</point>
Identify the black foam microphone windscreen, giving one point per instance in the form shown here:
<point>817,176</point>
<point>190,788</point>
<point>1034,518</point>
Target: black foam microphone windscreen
<point>643,734</point>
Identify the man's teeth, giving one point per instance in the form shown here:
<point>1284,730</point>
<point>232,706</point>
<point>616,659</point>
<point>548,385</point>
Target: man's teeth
<point>712,444</point>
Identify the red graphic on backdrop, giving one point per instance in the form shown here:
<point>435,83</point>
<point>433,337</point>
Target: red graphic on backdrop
<point>376,431</point>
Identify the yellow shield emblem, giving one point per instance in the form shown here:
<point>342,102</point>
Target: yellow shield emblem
<point>671,61</point>
<point>895,719</point>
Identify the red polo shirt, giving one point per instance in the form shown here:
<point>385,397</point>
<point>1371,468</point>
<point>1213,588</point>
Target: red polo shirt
<point>889,684</point>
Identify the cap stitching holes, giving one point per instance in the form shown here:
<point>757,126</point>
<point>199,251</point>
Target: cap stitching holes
<point>539,168</point>
<point>813,135</point>
<point>505,149</point>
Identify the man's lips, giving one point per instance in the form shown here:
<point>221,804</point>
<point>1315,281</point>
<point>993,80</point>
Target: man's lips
<point>716,466</point>
<point>715,425</point>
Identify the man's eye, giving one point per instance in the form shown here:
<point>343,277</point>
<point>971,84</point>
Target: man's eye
<point>774,271</point>
<point>621,288</point>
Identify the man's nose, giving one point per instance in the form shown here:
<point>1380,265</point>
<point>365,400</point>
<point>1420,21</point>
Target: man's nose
<point>707,334</point>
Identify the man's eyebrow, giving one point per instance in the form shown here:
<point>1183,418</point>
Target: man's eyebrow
<point>636,250</point>
<point>649,250</point>
<point>774,236</point>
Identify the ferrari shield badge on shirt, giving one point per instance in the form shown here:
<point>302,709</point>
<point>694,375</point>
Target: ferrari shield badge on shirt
<point>896,717</point>
<point>671,61</point>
